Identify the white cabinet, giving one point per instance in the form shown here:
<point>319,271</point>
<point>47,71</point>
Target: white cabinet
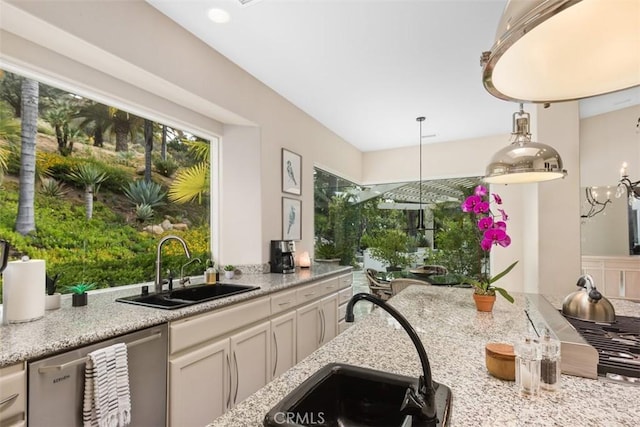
<point>329,316</point>
<point>283,346</point>
<point>13,395</point>
<point>250,361</point>
<point>220,358</point>
<point>317,323</point>
<point>308,333</point>
<point>200,385</point>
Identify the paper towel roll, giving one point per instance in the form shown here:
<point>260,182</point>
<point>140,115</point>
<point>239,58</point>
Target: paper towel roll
<point>23,291</point>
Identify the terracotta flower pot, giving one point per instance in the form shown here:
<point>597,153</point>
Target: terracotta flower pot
<point>484,302</point>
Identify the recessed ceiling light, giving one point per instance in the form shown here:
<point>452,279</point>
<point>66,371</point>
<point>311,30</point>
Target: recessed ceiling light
<point>219,16</point>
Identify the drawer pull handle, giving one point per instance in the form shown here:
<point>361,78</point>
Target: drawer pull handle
<point>310,294</point>
<point>45,369</point>
<point>11,398</point>
<point>284,303</point>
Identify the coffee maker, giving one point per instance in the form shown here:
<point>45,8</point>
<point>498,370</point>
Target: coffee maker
<point>282,256</point>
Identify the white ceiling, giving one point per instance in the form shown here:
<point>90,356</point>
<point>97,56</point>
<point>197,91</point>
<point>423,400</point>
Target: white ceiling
<point>367,68</point>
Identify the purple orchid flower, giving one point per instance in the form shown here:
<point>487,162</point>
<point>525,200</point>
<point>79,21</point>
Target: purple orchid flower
<point>485,223</point>
<point>504,214</point>
<point>497,199</point>
<point>480,190</point>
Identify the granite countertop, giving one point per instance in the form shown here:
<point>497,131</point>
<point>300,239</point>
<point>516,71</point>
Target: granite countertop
<point>454,335</point>
<point>104,318</point>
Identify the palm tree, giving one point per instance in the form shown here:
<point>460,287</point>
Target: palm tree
<point>95,120</point>
<point>192,183</point>
<point>148,148</point>
<point>9,131</point>
<point>25,222</point>
<point>59,115</point>
<point>90,177</point>
<point>124,125</point>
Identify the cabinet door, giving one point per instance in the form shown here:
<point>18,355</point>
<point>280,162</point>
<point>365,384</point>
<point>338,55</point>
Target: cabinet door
<point>251,361</point>
<point>329,312</point>
<point>283,346</point>
<point>308,333</point>
<point>200,383</point>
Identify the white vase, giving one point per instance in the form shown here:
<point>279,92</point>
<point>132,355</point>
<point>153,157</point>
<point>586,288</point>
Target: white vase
<point>52,302</point>
<point>228,274</point>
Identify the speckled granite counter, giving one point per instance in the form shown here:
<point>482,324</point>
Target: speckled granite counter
<point>103,318</point>
<point>454,335</point>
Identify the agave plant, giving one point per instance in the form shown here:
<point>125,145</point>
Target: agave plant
<point>143,192</point>
<point>52,188</point>
<point>89,176</point>
<point>81,288</point>
<point>144,213</point>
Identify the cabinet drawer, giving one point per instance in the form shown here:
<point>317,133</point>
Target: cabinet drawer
<point>329,286</point>
<point>346,280</point>
<point>13,387</point>
<point>283,301</point>
<point>199,329</point>
<point>345,295</point>
<point>308,293</point>
<point>342,311</point>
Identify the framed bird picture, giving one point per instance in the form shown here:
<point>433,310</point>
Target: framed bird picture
<point>291,172</point>
<point>291,219</point>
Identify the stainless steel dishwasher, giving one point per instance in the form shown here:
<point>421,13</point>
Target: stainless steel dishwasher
<point>56,384</point>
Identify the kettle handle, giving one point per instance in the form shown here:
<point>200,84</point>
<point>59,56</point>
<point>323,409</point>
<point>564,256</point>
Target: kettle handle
<point>586,281</point>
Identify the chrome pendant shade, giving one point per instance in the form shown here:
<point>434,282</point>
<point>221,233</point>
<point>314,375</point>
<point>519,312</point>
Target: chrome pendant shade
<point>561,50</point>
<point>524,161</point>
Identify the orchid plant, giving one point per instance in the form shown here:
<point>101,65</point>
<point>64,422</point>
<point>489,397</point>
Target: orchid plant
<point>491,231</point>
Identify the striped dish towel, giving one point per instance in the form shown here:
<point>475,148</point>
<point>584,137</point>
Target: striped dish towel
<point>107,399</point>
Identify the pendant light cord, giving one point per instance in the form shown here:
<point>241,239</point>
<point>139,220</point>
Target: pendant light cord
<point>420,213</point>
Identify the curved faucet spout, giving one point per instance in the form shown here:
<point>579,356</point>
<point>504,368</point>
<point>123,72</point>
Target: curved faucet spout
<point>158,283</point>
<point>421,404</point>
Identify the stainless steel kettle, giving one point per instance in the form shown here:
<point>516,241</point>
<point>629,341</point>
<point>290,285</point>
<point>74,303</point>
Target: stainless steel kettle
<point>587,303</point>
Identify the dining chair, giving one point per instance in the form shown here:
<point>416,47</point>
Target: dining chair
<point>378,288</point>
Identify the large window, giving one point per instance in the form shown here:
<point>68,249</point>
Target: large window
<point>95,187</point>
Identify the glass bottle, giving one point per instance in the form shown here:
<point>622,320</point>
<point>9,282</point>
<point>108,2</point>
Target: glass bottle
<point>550,363</point>
<point>210,274</point>
<point>528,367</point>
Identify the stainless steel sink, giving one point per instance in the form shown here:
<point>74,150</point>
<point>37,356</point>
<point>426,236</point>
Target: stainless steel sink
<point>187,296</point>
<point>350,396</point>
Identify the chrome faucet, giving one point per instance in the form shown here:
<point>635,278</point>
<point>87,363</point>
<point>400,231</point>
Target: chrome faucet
<point>418,402</point>
<point>158,284</point>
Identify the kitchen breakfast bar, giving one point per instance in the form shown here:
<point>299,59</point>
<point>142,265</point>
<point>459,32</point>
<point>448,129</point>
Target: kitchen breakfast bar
<point>454,335</point>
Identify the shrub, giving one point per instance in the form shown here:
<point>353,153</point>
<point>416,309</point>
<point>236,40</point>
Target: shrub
<point>144,213</point>
<point>165,167</point>
<point>144,193</point>
<point>52,188</point>
<point>126,157</point>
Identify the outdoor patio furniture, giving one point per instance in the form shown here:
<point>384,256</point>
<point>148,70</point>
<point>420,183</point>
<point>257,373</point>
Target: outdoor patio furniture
<point>399,284</point>
<point>377,287</point>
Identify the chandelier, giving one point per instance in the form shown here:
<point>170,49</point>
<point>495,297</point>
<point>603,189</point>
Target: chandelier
<point>626,185</point>
<point>595,206</point>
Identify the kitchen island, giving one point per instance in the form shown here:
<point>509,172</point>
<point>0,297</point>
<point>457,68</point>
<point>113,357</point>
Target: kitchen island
<point>454,335</point>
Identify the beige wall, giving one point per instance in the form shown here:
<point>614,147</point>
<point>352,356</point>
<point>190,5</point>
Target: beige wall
<point>130,52</point>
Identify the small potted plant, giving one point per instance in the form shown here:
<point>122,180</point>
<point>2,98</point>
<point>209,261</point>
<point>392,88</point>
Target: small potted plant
<point>52,299</point>
<point>229,271</point>
<point>79,293</point>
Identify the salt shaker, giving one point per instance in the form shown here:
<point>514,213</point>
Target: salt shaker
<point>550,363</point>
<point>528,367</point>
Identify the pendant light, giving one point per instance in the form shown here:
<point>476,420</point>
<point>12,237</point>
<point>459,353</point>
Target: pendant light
<point>421,226</point>
<point>561,50</point>
<point>524,161</point>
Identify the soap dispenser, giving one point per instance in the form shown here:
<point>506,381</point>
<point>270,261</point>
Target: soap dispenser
<point>210,274</point>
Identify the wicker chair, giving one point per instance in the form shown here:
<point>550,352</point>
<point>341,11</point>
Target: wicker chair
<point>379,289</point>
<point>399,284</point>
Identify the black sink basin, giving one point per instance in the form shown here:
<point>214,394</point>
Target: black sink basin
<point>188,296</point>
<point>349,396</point>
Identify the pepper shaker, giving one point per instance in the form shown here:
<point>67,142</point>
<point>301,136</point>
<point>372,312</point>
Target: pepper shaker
<point>528,367</point>
<point>550,363</point>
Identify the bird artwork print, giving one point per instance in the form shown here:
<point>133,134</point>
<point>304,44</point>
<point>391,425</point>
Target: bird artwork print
<point>292,218</point>
<point>290,173</point>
